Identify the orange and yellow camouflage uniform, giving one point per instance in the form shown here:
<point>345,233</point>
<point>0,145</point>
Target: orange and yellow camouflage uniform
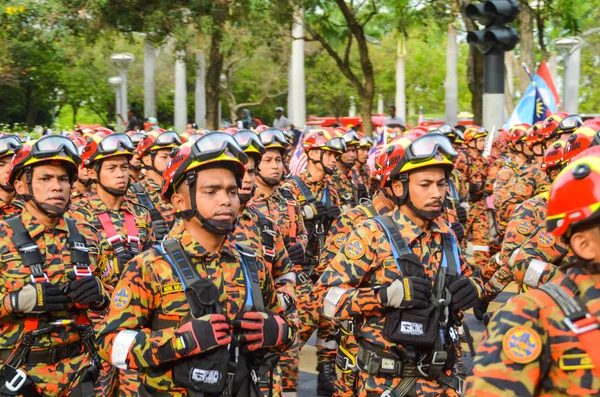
<point>362,174</point>
<point>153,189</point>
<point>528,350</point>
<point>347,289</point>
<point>278,207</point>
<point>341,228</point>
<point>9,210</point>
<point>150,290</point>
<point>345,185</point>
<point>60,377</point>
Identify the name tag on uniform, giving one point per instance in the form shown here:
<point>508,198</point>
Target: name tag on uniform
<point>171,288</point>
<point>573,362</point>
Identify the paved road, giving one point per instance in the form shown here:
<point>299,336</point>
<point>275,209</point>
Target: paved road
<point>308,362</point>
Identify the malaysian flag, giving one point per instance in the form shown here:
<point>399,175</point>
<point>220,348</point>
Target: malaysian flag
<point>379,142</point>
<point>298,161</point>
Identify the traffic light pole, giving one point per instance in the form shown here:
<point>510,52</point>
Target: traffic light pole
<point>493,90</point>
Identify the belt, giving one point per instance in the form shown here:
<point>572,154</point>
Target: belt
<point>47,356</point>
<point>380,365</point>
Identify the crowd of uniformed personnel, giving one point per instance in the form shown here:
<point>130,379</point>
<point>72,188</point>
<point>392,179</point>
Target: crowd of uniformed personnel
<point>158,264</point>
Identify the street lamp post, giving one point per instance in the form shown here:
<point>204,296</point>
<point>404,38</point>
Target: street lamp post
<point>122,61</point>
<point>116,84</point>
<point>570,47</point>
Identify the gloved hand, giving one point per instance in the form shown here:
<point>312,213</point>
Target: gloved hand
<point>260,330</point>
<point>406,292</point>
<point>465,293</point>
<point>461,213</point>
<point>296,254</point>
<point>38,298</point>
<point>475,193</point>
<point>361,191</point>
<point>313,210</point>
<point>160,229</point>
<point>459,230</point>
<point>333,212</point>
<point>87,290</point>
<point>199,335</point>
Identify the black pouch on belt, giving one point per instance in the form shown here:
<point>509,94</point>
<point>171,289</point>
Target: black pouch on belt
<point>413,327</point>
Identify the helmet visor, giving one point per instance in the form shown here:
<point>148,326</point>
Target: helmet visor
<point>9,143</point>
<point>365,142</point>
<point>53,145</point>
<point>213,145</point>
<point>273,136</point>
<point>247,139</point>
<point>425,147</point>
<point>351,138</point>
<point>113,142</point>
<point>168,138</point>
<point>570,123</point>
<point>335,144</point>
<point>137,138</point>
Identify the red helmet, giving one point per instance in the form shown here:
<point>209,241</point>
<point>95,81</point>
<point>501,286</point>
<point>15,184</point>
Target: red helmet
<point>351,138</point>
<point>137,137</point>
<point>566,209</point>
<point>474,132</point>
<point>517,134</point>
<point>156,141</point>
<point>415,133</point>
<point>551,125</point>
<point>50,148</point>
<point>97,148</point>
<point>231,130</point>
<point>553,156</point>
<point>582,139</point>
<point>534,134</point>
<point>212,148</point>
<point>261,128</point>
<point>104,131</point>
<point>323,139</point>
<point>250,142</point>
<point>365,142</point>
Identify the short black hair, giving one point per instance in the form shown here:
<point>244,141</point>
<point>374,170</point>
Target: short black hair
<point>392,107</point>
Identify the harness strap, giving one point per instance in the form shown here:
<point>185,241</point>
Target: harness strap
<point>254,296</point>
<point>291,207</point>
<point>308,196</point>
<point>144,198</point>
<point>114,238</point>
<point>267,236</point>
<point>174,253</point>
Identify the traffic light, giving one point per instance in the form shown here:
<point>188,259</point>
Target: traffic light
<point>494,14</point>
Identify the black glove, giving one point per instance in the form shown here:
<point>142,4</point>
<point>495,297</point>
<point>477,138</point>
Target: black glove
<point>361,191</point>
<point>406,292</point>
<point>465,293</point>
<point>313,210</point>
<point>87,290</point>
<point>160,228</point>
<point>475,193</point>
<point>461,213</point>
<point>260,330</point>
<point>459,230</point>
<point>38,298</point>
<point>296,254</point>
<point>333,212</point>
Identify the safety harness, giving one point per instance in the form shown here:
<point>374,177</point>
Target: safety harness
<point>144,198</point>
<point>413,364</point>
<point>117,242</point>
<point>267,237</point>
<point>16,381</point>
<point>175,255</point>
<point>291,203</point>
<point>577,317</point>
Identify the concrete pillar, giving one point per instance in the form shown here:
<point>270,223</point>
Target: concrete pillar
<point>380,109</point>
<point>200,93</point>
<point>571,84</point>
<point>400,101</point>
<point>149,81</point>
<point>290,100</point>
<point>180,121</point>
<point>298,108</point>
<point>352,110</point>
<point>124,104</point>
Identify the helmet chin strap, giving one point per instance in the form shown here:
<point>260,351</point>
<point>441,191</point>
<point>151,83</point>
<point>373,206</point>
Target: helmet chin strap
<point>151,167</point>
<point>7,188</point>
<point>213,226</point>
<point>135,167</point>
<point>85,182</point>
<point>271,182</point>
<point>348,165</point>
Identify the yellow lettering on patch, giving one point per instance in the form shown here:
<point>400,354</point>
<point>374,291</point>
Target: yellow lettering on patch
<point>171,288</point>
<point>407,294</point>
<point>40,294</point>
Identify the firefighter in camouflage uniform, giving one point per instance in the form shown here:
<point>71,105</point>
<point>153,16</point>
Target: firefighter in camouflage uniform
<point>9,205</point>
<point>49,280</point>
<point>545,342</point>
<point>394,270</point>
<point>197,313</point>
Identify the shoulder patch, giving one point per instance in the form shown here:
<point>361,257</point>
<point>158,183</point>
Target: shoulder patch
<point>524,227</point>
<point>504,175</point>
<point>520,188</point>
<point>355,249</point>
<point>121,298</point>
<point>339,240</point>
<point>522,344</point>
<point>545,239</point>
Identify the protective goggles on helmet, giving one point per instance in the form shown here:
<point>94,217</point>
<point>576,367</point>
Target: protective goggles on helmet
<point>212,145</point>
<point>446,129</point>
<point>569,124</point>
<point>273,136</point>
<point>9,143</point>
<point>335,144</point>
<point>167,138</point>
<point>113,142</point>
<point>351,138</point>
<point>248,139</point>
<point>137,138</point>
<point>365,142</point>
<point>52,145</point>
<point>426,147</point>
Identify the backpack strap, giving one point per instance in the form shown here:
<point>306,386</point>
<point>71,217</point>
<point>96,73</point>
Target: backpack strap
<point>80,253</point>
<point>401,252</point>
<point>368,208</point>
<point>144,198</point>
<point>267,236</point>
<point>291,207</point>
<point>577,318</point>
<point>254,296</point>
<point>30,253</point>
<point>308,196</point>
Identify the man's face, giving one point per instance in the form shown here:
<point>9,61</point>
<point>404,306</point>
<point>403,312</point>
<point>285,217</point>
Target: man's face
<point>4,165</point>
<point>161,159</point>
<point>480,143</point>
<point>249,177</point>
<point>349,156</point>
<point>271,165</point>
<point>114,172</point>
<point>278,113</point>
<point>217,195</point>
<point>427,188</point>
<point>129,114</point>
<point>329,158</point>
<point>392,112</point>
<point>362,155</point>
<point>50,184</point>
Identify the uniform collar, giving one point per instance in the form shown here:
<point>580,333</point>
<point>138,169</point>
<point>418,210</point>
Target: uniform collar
<point>155,186</point>
<point>260,195</point>
<point>98,205</point>
<point>410,230</point>
<point>379,204</point>
<point>193,247</point>
<point>35,227</point>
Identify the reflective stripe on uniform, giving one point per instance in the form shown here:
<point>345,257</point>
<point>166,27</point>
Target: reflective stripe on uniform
<point>121,346</point>
<point>327,344</point>
<point>331,301</point>
<point>534,271</point>
<point>498,261</point>
<point>483,248</point>
<point>291,276</point>
<point>513,256</point>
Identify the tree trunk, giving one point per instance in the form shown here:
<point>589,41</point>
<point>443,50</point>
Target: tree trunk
<point>215,66</point>
<point>400,101</point>
<point>451,97</point>
<point>509,89</point>
<point>75,110</point>
<point>526,43</point>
